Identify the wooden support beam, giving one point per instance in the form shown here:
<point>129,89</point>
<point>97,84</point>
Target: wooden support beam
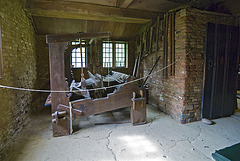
<point>72,37</point>
<point>1,65</point>
<point>119,99</point>
<point>74,10</point>
<point>76,113</point>
<point>124,3</point>
<point>90,42</point>
<point>57,80</point>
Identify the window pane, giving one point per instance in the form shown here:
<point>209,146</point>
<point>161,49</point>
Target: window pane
<point>120,55</point>
<point>76,56</point>
<point>107,54</point>
<point>78,60</point>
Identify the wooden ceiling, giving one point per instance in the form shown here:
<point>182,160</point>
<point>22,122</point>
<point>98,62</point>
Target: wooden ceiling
<point>123,18</point>
<point>119,30</point>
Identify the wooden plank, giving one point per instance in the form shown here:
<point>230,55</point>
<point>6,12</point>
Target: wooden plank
<point>72,37</point>
<point>220,74</point>
<point>1,65</point>
<point>76,113</point>
<point>117,100</point>
<point>139,62</point>
<point>57,82</point>
<point>90,42</point>
<point>150,72</point>
<point>138,111</point>
<point>165,46</point>
<point>208,70</point>
<point>99,2</point>
<point>86,11</point>
<point>157,35</point>
<point>124,3</point>
<point>136,66</point>
<point>173,43</point>
<point>170,43</point>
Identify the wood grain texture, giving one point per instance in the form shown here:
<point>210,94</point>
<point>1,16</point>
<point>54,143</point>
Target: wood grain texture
<point>57,82</point>
<point>120,99</point>
<point>1,65</point>
<point>138,111</point>
<point>86,11</point>
<point>71,37</point>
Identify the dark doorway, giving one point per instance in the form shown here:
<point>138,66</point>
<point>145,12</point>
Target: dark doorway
<point>220,73</point>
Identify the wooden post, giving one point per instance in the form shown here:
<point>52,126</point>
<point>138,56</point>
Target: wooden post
<point>173,43</point>
<point>138,110</point>
<point>61,126</point>
<point>57,45</point>
<point>82,75</point>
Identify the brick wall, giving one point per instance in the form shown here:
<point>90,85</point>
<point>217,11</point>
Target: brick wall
<point>19,68</point>
<point>43,75</point>
<point>196,21</point>
<point>180,95</point>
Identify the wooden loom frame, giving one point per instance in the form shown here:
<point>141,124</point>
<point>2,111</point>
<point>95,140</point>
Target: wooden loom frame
<point>64,111</point>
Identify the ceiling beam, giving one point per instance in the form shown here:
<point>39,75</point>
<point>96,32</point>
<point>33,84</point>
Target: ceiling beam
<point>124,3</point>
<point>74,10</point>
<point>71,37</point>
<point>181,1</point>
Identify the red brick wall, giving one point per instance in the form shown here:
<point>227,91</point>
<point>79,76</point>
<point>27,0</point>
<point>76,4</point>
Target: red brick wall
<point>196,22</point>
<point>180,96</point>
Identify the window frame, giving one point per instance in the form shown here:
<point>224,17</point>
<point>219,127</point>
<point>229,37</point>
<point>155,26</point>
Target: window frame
<point>1,61</point>
<point>76,43</point>
<point>110,54</point>
<point>114,54</point>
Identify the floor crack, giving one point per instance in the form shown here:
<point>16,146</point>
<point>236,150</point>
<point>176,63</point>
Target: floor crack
<point>200,131</point>
<point>108,143</point>
<point>175,143</point>
<point>236,117</point>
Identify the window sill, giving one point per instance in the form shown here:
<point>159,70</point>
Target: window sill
<point>80,68</point>
<point>115,67</point>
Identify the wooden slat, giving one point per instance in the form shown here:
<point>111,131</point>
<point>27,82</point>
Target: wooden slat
<point>117,100</point>
<point>173,43</point>
<point>1,65</point>
<point>124,3</point>
<point>85,11</point>
<point>138,111</point>
<point>72,37</point>
<point>76,113</point>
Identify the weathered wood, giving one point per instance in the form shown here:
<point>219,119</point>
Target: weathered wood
<point>57,82</point>
<point>139,63</point>
<point>138,111</point>
<point>150,40</point>
<point>170,43</point>
<point>165,45</point>
<point>173,43</point>
<point>90,42</point>
<point>119,99</point>
<point>134,96</point>
<point>124,3</point>
<point>76,113</point>
<point>150,72</point>
<point>1,65</point>
<point>72,37</point>
<point>136,66</point>
<point>157,35</point>
<point>86,11</point>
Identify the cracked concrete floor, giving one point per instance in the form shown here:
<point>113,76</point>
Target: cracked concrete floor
<point>161,139</point>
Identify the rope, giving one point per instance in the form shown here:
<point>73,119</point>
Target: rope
<point>95,89</point>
